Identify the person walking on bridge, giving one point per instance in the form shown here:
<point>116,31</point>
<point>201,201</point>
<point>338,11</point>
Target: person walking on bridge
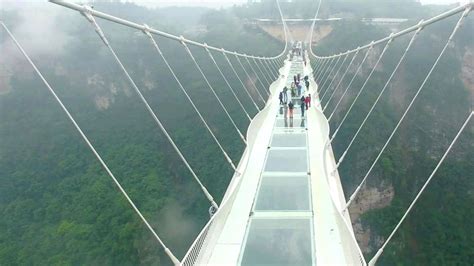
<point>308,101</point>
<point>303,105</point>
<point>291,106</point>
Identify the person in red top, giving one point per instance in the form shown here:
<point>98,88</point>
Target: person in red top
<point>307,101</point>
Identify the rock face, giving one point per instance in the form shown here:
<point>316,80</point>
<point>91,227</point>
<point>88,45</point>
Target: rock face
<point>369,199</point>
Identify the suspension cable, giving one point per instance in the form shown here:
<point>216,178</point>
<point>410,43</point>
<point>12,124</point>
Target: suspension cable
<point>318,65</point>
<point>258,77</point>
<point>334,77</point>
<point>349,86</point>
<point>449,13</point>
<point>312,30</point>
<point>322,69</point>
<point>141,27</point>
<point>262,73</point>
<point>275,66</point>
<point>258,62</point>
<point>379,252</point>
<point>91,147</point>
<point>328,77</point>
<point>340,81</point>
<point>104,39</point>
<point>241,82</point>
<point>228,84</point>
<point>380,94</point>
<point>458,24</point>
<point>214,92</point>
<point>326,64</point>
<point>271,66</point>
<point>250,79</point>
<point>315,65</point>
<point>361,90</point>
<point>326,71</point>
<point>265,69</point>
<point>155,44</point>
<point>322,66</point>
<point>268,71</point>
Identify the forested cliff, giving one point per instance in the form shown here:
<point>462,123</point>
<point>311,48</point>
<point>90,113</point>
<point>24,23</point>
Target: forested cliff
<point>59,207</point>
<point>439,230</point>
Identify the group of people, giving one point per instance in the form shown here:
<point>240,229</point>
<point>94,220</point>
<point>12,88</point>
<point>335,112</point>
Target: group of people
<point>296,90</point>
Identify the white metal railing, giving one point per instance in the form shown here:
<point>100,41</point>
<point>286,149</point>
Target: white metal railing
<point>143,27</point>
<point>195,252</point>
<point>421,24</point>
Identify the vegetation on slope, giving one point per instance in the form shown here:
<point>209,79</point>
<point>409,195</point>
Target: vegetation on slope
<point>439,229</point>
<point>57,205</point>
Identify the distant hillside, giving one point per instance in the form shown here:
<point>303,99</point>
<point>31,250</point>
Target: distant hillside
<point>439,230</point>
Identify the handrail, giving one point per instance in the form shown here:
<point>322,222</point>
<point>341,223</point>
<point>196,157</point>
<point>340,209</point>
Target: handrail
<point>327,144</point>
<point>421,24</point>
<point>192,255</point>
<point>143,27</point>
<point>337,208</point>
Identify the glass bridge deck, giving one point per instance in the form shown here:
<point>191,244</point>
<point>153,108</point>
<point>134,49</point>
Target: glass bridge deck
<point>280,227</point>
<point>282,211</point>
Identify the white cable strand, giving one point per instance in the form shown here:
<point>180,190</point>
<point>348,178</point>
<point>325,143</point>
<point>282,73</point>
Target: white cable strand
<point>250,79</point>
<point>102,36</point>
<point>334,77</point>
<point>317,76</point>
<point>321,67</point>
<point>340,81</point>
<point>425,23</point>
<point>91,147</point>
<point>264,70</point>
<point>379,252</point>
<point>241,82</point>
<point>328,77</point>
<point>276,67</point>
<point>262,73</point>
<point>258,77</point>
<point>214,92</point>
<point>326,71</point>
<point>141,27</point>
<point>155,44</point>
<point>228,84</point>
<point>361,90</point>
<point>267,69</point>
<point>458,24</point>
<point>312,30</point>
<point>348,87</point>
<point>379,96</point>
<point>318,65</point>
<point>271,65</point>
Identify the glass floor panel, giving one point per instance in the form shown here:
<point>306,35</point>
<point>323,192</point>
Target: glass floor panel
<point>283,193</point>
<point>278,242</point>
<point>287,161</point>
<point>289,123</point>
<point>288,140</point>
<point>296,110</point>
